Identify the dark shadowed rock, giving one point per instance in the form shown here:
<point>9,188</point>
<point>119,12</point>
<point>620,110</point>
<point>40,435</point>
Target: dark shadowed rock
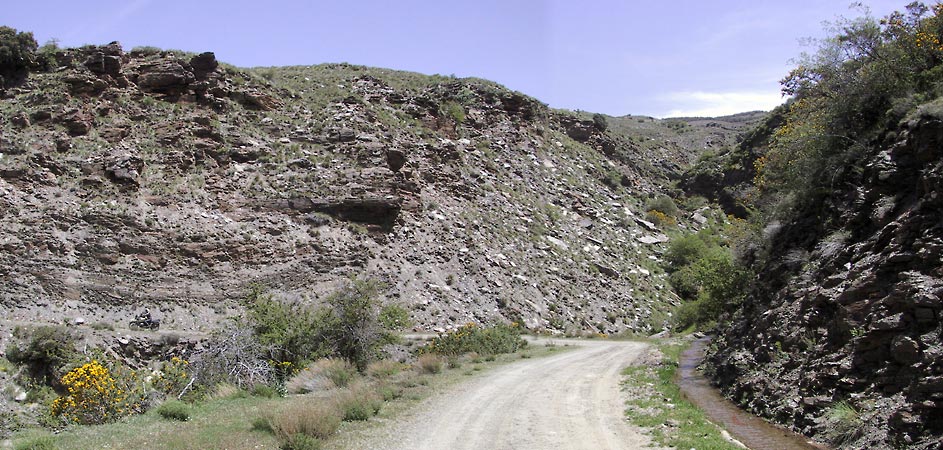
<point>395,159</point>
<point>203,64</point>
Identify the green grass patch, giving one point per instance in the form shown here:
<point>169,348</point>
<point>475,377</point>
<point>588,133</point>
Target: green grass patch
<point>656,404</point>
<point>174,410</point>
<point>43,441</point>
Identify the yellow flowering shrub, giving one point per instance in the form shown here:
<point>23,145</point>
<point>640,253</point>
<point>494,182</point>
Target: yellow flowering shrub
<point>659,218</point>
<point>96,394</point>
<point>174,376</point>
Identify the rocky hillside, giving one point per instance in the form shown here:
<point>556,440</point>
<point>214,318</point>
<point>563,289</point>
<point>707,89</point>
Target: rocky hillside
<point>848,306</point>
<point>166,180</point>
<point>841,335</point>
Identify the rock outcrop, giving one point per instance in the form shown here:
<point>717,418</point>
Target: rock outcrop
<point>849,307</point>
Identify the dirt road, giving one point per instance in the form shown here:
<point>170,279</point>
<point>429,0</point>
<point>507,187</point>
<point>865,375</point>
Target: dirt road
<point>566,401</point>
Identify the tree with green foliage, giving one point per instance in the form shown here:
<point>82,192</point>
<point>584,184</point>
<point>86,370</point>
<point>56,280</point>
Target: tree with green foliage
<point>293,332</point>
<point>862,80</point>
<point>44,351</point>
<point>704,273</point>
<point>600,122</point>
<point>356,329</point>
<point>17,55</point>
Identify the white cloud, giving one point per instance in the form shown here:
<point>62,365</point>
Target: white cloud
<point>713,104</point>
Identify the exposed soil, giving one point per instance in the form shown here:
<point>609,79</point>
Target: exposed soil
<point>571,400</point>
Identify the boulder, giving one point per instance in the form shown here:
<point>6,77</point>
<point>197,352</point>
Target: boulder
<point>253,99</point>
<point>82,83</point>
<point>124,168</point>
<point>395,159</point>
<point>203,64</point>
<point>905,350</point>
<point>77,121</point>
<point>168,76</point>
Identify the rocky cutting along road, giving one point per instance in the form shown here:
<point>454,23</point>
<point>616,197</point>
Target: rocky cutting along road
<point>570,400</point>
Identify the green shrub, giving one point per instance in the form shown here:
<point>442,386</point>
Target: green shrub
<point>99,393</point>
<point>173,378</point>
<point>389,392</point>
<point>174,410</point>
<point>492,340</point>
<point>455,111</point>
<point>44,351</point>
<point>17,55</point>
<point>659,218</point>
<point>263,424</point>
<point>844,424</point>
<point>355,328</point>
<point>705,274</point>
<point>863,80</point>
<point>685,282</point>
<point>600,122</point>
<point>292,332</point>
<point>684,250</point>
<point>664,204</point>
<point>264,391</point>
<point>394,317</point>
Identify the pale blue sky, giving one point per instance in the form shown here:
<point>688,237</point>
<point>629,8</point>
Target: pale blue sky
<point>659,58</point>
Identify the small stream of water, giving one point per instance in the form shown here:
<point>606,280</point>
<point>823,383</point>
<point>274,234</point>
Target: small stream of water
<point>751,430</point>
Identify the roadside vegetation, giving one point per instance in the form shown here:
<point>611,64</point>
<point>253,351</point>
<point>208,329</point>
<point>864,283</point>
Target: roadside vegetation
<point>284,374</point>
<point>657,404</point>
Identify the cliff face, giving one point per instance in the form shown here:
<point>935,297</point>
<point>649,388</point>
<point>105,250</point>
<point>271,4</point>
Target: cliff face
<point>163,180</point>
<point>847,313</point>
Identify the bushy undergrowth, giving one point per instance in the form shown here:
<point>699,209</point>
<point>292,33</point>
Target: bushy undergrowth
<point>864,78</point>
<point>173,378</point>
<point>359,402</point>
<point>491,340</point>
<point>301,441</point>
<point>314,420</point>
<point>42,442</point>
<point>704,273</point>
<point>385,369</point>
<point>44,351</point>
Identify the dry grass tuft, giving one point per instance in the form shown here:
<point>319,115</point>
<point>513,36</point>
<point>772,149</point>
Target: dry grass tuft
<point>318,420</point>
<point>429,363</point>
<point>360,401</point>
<point>323,374</point>
<point>384,369</point>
